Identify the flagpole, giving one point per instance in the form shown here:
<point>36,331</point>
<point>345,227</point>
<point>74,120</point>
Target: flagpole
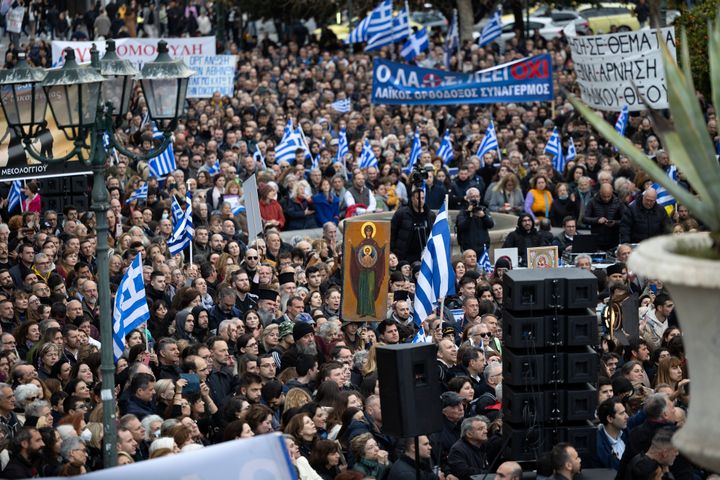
<point>457,32</point>
<point>191,253</point>
<point>407,10</point>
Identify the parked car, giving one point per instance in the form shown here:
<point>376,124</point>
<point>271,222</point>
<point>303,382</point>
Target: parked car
<point>603,16</point>
<point>548,28</point>
<point>430,18</point>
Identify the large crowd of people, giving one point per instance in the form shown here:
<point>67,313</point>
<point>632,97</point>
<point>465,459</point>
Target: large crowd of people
<point>257,321</point>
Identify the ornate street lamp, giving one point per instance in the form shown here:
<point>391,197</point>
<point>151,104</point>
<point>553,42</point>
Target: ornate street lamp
<point>86,102</point>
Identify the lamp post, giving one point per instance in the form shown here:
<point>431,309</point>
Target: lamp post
<point>87,102</point>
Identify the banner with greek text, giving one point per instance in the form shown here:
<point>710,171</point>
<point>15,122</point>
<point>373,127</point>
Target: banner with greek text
<point>137,50</point>
<point>622,68</point>
<point>213,73</point>
<point>526,80</point>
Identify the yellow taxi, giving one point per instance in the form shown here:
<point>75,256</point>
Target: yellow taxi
<point>602,16</point>
<point>341,30</point>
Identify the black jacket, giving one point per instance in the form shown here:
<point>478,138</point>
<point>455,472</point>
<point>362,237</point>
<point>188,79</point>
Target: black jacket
<point>18,467</point>
<point>443,441</point>
<point>221,384</point>
<point>523,239</point>
<point>407,228</point>
<point>472,231</point>
<point>404,469</point>
<point>639,223</point>
<point>466,460</point>
<point>606,234</point>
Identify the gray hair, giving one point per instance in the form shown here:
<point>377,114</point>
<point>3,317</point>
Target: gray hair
<point>146,424</point>
<point>224,325</point>
<point>3,386</point>
<point>582,256</point>
<point>24,392</point>
<point>467,424</point>
<point>66,431</point>
<point>490,370</point>
<point>328,329</point>
<point>68,445</point>
<point>655,405</point>
<point>33,408</point>
<point>162,442</point>
<point>360,358</point>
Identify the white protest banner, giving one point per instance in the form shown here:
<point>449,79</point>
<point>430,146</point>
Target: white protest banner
<point>137,50</point>
<point>264,457</point>
<point>621,68</point>
<point>14,19</point>
<point>213,73</point>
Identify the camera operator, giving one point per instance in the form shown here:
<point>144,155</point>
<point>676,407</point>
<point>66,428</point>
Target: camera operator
<point>472,224</point>
<point>411,224</point>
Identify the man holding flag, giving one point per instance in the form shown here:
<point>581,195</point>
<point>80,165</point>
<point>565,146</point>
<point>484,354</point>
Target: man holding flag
<point>131,308</point>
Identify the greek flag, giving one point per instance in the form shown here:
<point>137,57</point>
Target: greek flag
<point>416,43</point>
<point>258,156</point>
<point>342,146</point>
<point>139,194</point>
<point>453,40</point>
<point>157,134</point>
<point>183,231</point>
<point>664,199</point>
<point>491,30</point>
<point>380,28</point>
<point>401,25</point>
<point>163,164</point>
<point>15,196</point>
<point>484,262</point>
<point>342,106</point>
<point>359,33</point>
<point>215,168</point>
<point>437,278</point>
<point>488,144</point>
<point>177,211</point>
<point>285,150</point>
<point>554,148</point>
<point>367,157</point>
<point>622,121</point>
<point>571,153</point>
<point>131,309</point>
<point>303,142</point>
<point>414,152</point>
<point>445,151</point>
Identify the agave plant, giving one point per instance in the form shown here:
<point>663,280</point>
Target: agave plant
<point>685,138</point>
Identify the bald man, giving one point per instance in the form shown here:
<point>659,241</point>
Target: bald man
<point>644,219</point>
<point>509,471</point>
<point>603,214</point>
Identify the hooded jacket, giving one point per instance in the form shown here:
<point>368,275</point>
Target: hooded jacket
<point>523,239</point>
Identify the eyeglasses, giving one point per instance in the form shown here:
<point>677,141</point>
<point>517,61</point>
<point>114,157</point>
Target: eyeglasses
<point>252,258</point>
<point>484,335</point>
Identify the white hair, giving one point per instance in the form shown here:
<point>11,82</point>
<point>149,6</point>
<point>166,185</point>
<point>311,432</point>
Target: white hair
<point>162,442</point>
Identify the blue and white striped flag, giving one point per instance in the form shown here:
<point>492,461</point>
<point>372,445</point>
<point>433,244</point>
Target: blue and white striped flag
<point>491,30</point>
<point>342,146</point>
<point>452,43</point>
<point>416,44</point>
<point>359,33</point>
<point>401,25</point>
<point>380,28</point>
<point>214,168</point>
<point>163,164</point>
<point>342,106</point>
<point>157,134</point>
<point>571,153</point>
<point>437,278</point>
<point>176,210</point>
<point>139,194</point>
<point>15,196</point>
<point>258,157</point>
<point>445,151</point>
<point>415,152</point>
<point>664,199</point>
<point>367,157</point>
<point>183,231</point>
<point>622,121</point>
<point>131,308</point>
<point>554,148</point>
<point>484,262</point>
<point>488,144</point>
<point>285,150</point>
<point>303,142</point>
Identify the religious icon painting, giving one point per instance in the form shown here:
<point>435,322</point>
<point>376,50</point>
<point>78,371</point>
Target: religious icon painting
<point>543,257</point>
<point>365,270</point>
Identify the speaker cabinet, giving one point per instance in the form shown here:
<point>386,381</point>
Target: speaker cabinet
<point>409,389</point>
<point>533,331</point>
<point>526,444</point>
<point>549,288</point>
<point>547,404</point>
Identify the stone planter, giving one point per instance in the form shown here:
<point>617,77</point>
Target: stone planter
<point>694,284</point>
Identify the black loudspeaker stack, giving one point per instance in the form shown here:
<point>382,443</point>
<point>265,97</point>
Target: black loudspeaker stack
<point>57,193</point>
<point>409,389</point>
<point>550,368</point>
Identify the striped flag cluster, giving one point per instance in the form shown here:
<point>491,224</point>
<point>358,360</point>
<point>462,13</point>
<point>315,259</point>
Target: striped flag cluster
<point>380,29</point>
<point>415,152</point>
<point>416,44</point>
<point>342,146</point>
<point>131,308</point>
<point>367,157</point>
<point>452,43</point>
<point>554,148</point>
<point>445,150</point>
<point>571,153</point>
<point>139,194</point>
<point>491,30</point>
<point>488,144</point>
<point>290,142</point>
<point>437,278</point>
<point>183,231</point>
<point>15,196</point>
<point>342,106</point>
<point>164,164</point>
